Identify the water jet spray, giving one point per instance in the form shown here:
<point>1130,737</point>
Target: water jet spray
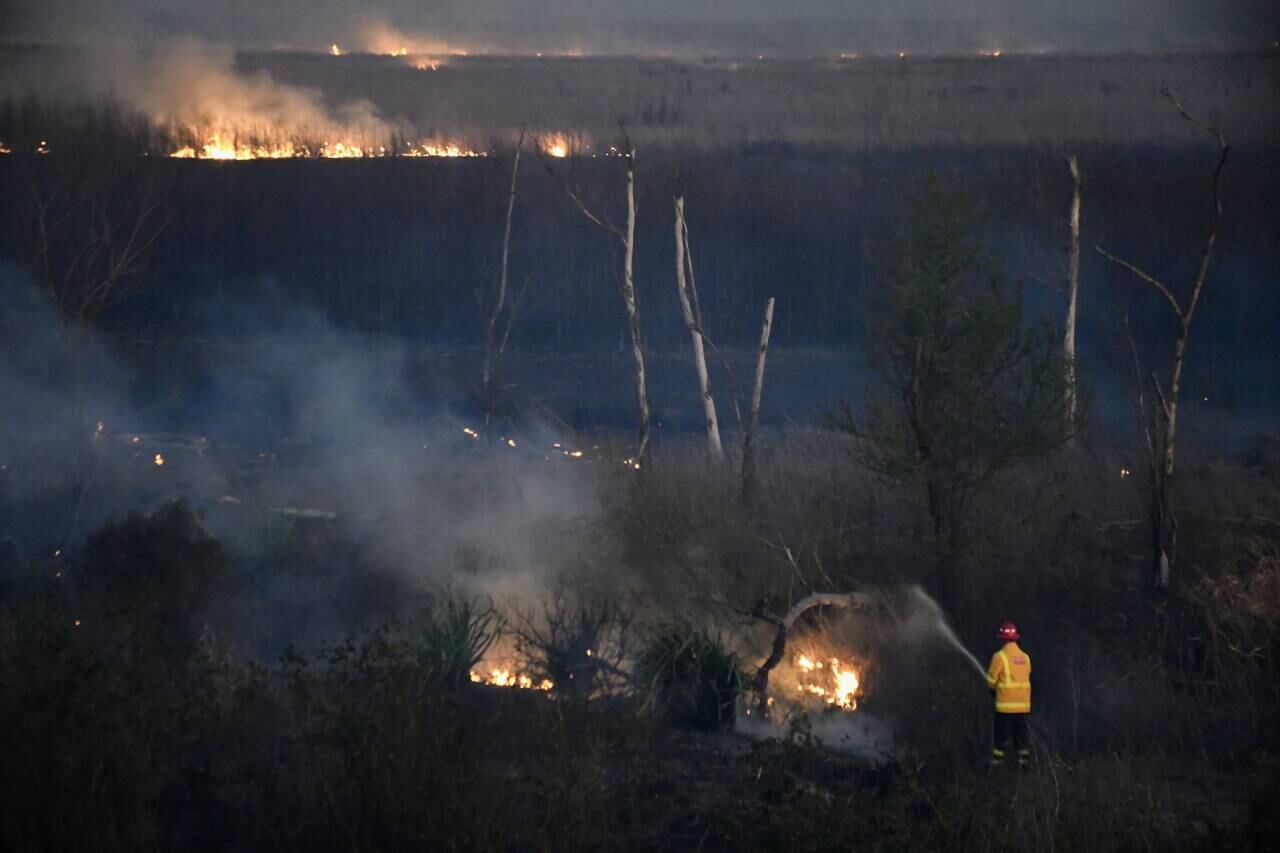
<point>938,622</point>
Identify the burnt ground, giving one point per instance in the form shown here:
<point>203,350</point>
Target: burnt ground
<point>641,785</point>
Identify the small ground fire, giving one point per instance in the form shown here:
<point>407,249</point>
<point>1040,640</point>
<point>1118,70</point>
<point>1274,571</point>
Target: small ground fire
<point>831,680</point>
<point>505,676</point>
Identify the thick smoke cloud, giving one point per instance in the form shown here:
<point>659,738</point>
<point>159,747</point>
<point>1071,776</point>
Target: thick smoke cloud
<point>196,86</point>
<point>666,26</point>
<point>340,491</point>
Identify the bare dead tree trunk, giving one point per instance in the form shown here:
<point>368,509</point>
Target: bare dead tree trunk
<point>1164,525</point>
<point>633,313</point>
<point>493,347</point>
<point>693,322</point>
<point>627,238</point>
<point>749,476</point>
<point>1073,289</point>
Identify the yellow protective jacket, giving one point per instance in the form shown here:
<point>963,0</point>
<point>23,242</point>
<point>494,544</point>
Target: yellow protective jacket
<point>1010,677</point>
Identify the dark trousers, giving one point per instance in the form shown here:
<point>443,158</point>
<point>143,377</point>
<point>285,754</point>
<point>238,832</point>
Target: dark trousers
<point>1011,733</point>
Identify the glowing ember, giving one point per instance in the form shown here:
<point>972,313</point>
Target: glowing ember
<point>335,50</point>
<point>511,442</point>
<point>5,149</point>
<point>159,459</point>
<point>471,433</point>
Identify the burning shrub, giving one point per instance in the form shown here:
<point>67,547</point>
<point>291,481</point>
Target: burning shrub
<point>689,676</point>
<point>577,645</point>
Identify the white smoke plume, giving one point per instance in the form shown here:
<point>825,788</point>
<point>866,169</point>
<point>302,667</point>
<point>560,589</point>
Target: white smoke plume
<point>195,89</point>
<point>196,85</point>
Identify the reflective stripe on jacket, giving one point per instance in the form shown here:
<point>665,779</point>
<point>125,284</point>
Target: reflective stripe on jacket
<point>1010,677</point>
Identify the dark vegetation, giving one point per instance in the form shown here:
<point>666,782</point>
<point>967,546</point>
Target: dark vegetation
<point>399,247</point>
<point>143,724</point>
<point>138,715</point>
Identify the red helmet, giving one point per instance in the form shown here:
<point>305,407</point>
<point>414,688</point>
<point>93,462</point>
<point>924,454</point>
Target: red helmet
<point>1008,631</point>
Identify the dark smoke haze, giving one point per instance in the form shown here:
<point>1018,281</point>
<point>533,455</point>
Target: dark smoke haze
<point>667,27</point>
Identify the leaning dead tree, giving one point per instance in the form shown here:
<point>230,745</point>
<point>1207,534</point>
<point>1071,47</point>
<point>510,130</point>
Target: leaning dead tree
<point>1160,426</point>
<point>688,291</point>
<point>626,238</point>
<point>749,475</point>
<point>495,341</point>
<point>1073,290</point>
<point>784,624</point>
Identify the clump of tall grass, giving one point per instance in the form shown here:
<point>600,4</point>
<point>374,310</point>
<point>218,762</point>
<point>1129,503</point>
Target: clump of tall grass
<point>453,635</point>
<point>689,676</point>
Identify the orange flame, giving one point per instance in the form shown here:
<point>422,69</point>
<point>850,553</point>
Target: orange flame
<point>234,145</point>
<point>831,680</point>
<point>556,145</point>
<point>504,676</point>
<point>440,148</point>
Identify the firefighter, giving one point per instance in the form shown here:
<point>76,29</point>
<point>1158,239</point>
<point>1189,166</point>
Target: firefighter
<point>1009,676</point>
